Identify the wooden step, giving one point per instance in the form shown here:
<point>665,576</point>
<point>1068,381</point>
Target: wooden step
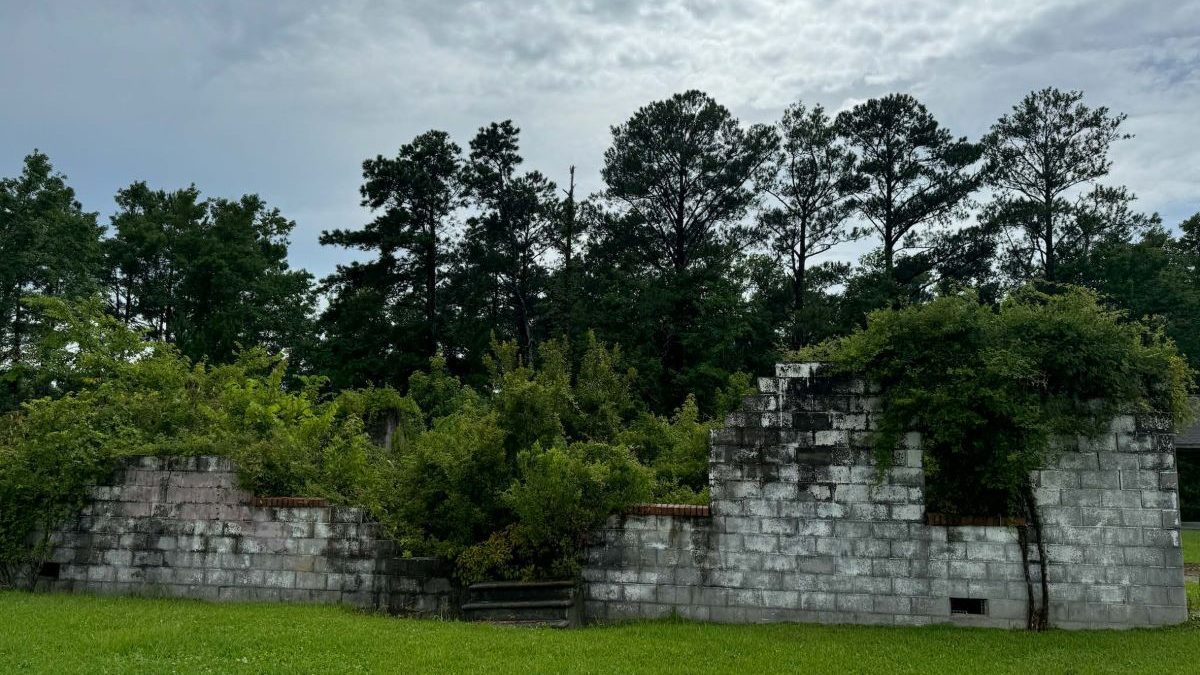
<point>507,591</point>
<point>542,603</point>
<point>533,624</point>
<point>518,604</point>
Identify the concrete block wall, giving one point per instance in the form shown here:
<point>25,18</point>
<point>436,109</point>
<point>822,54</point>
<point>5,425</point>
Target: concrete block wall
<point>181,527</point>
<point>804,527</point>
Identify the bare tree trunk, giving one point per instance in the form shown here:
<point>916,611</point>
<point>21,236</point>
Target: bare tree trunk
<point>431,289</point>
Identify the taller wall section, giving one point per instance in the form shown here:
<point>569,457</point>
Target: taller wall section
<point>802,527</point>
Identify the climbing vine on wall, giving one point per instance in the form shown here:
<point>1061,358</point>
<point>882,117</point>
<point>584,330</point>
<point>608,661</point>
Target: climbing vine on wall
<point>996,391</point>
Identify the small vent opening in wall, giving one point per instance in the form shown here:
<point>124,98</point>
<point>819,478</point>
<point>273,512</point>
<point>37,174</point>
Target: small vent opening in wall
<point>968,606</point>
<point>49,570</point>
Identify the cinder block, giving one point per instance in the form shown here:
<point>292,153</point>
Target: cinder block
<point>1051,478</point>
<point>1099,593</point>
<point>910,587</point>
<point>118,557</point>
<point>891,568</point>
<point>1159,499</point>
<point>964,569</point>
<point>1061,515</point>
<point>907,512</point>
<point>818,565</point>
<point>859,566</point>
<point>854,602</point>
<point>1141,518</point>
<point>710,596</point>
<point>872,548</point>
<point>892,605</point>
<point>1103,555</point>
<point>1081,496</point>
<point>827,546</point>
<point>1161,538</point>
<point>868,512</point>
<point>1170,518</point>
<point>277,579</point>
<point>818,601</point>
<point>1144,556</point>
<point>782,599</point>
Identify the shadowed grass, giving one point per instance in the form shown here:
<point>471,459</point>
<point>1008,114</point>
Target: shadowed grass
<point>82,634</point>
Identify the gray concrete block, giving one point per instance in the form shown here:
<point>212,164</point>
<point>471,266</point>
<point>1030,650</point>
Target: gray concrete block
<point>851,602</point>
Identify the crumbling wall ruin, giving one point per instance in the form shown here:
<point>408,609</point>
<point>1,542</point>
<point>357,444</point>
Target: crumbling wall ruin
<point>802,528</point>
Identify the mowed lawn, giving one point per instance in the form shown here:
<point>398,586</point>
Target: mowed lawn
<point>1191,546</point>
<point>83,634</point>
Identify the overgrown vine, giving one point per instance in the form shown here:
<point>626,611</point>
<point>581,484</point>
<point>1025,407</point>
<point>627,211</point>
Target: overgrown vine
<point>996,391</point>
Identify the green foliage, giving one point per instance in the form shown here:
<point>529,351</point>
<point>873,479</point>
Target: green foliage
<point>48,245</point>
<point>124,396</point>
<point>603,394</point>
<point>562,493</point>
<point>209,275</point>
<point>914,172</point>
<point>811,181</point>
<point>1004,385</point>
<point>436,392</point>
<point>677,450</point>
<point>44,470</point>
<point>442,492</point>
<point>386,316</point>
<point>510,482</point>
<point>665,271</point>
<point>1049,145</point>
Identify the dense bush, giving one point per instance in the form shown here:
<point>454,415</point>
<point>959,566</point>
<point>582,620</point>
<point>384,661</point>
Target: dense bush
<point>509,480</point>
<point>120,396</point>
<point>1004,383</point>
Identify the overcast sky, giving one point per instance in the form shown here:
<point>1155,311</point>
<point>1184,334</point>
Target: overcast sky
<point>286,99</point>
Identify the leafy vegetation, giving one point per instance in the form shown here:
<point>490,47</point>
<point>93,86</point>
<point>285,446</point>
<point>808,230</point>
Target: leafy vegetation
<point>705,250</point>
<point>504,346</point>
<point>515,476</point>
<point>83,634</point>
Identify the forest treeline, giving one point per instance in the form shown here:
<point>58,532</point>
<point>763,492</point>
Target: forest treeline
<point>704,254</point>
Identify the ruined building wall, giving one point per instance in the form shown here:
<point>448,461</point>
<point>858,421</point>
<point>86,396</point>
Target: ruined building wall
<point>181,527</point>
<point>802,529</point>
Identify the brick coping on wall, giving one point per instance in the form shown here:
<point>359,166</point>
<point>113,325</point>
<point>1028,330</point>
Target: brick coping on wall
<point>290,502</point>
<point>682,510</point>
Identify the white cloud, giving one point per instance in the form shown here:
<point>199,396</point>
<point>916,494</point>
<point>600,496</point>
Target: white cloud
<point>287,101</point>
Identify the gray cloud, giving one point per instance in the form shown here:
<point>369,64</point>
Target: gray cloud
<point>287,99</point>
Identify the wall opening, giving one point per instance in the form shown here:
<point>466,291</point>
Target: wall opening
<point>50,570</point>
<point>968,606</point>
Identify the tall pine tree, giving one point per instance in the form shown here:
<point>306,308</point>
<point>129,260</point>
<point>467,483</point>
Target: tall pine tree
<point>386,316</point>
<point>48,246</point>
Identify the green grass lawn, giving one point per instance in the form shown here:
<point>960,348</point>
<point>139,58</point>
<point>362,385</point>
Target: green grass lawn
<point>1191,546</point>
<point>82,634</point>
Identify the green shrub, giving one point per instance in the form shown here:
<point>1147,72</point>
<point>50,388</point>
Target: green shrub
<point>603,394</point>
<point>509,482</point>
<point>438,393</point>
<point>122,396</point>
<point>562,493</point>
<point>443,490</point>
<point>676,449</point>
<point>44,472</point>
<point>1004,383</point>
